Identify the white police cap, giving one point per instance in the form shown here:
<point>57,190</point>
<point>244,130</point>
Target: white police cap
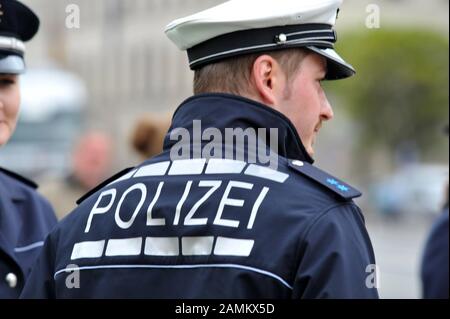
<point>240,27</point>
<point>18,24</point>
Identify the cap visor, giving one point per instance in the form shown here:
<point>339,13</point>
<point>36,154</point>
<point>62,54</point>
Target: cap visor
<point>11,64</point>
<point>337,67</point>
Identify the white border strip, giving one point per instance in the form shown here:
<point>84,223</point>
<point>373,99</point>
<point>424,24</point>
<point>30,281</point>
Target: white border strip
<point>224,166</point>
<point>187,167</point>
<point>124,247</point>
<point>29,247</point>
<point>157,169</point>
<point>88,249</point>
<point>266,173</point>
<point>259,271</point>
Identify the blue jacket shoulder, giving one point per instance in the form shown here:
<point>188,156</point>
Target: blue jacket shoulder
<point>323,181</point>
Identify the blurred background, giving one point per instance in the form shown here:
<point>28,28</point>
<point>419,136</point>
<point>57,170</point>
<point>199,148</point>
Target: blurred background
<point>103,81</point>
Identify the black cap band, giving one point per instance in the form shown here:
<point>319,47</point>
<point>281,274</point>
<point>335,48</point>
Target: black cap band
<point>261,40</point>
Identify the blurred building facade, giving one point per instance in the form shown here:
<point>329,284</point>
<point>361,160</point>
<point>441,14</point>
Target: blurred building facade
<point>130,67</point>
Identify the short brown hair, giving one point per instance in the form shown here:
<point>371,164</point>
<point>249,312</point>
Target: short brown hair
<point>233,75</point>
<point>148,134</point>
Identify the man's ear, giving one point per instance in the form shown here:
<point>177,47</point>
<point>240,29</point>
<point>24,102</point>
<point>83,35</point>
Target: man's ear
<point>268,79</point>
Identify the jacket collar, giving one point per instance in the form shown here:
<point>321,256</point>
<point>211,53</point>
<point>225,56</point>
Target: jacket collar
<point>222,111</point>
<point>8,191</point>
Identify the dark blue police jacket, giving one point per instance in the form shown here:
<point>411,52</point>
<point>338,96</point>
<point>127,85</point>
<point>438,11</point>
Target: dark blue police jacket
<point>222,228</point>
<point>25,220</point>
<point>435,261</point>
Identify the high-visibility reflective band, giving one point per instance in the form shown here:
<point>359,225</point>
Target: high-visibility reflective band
<point>162,246</point>
<point>88,249</point>
<point>10,43</point>
<point>266,173</point>
<point>224,166</point>
<point>158,169</point>
<point>187,167</point>
<point>195,246</point>
<point>233,247</point>
<point>124,247</point>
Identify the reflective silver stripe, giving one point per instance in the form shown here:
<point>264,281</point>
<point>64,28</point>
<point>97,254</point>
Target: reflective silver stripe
<point>187,167</point>
<point>88,249</point>
<point>197,246</point>
<point>235,266</point>
<point>196,166</point>
<point>266,173</point>
<point>224,166</point>
<point>12,44</point>
<point>233,247</point>
<point>162,246</point>
<point>124,247</point>
<point>157,169</point>
<point>29,247</point>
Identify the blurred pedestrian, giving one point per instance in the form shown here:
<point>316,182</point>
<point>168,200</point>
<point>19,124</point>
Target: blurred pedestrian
<point>25,217</point>
<point>91,164</point>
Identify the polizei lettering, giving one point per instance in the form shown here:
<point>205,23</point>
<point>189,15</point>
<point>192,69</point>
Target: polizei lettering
<point>174,195</point>
<point>142,199</point>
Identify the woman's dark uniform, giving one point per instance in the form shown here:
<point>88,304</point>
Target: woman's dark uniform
<point>25,217</point>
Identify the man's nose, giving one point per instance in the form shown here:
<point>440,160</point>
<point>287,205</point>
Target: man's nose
<point>327,110</point>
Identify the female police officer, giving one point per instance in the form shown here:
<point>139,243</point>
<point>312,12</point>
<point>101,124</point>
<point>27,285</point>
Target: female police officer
<point>25,217</point>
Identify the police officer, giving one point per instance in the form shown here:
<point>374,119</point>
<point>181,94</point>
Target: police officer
<point>25,217</point>
<point>232,207</point>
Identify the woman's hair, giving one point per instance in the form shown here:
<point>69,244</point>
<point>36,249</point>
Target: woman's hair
<point>148,135</point>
